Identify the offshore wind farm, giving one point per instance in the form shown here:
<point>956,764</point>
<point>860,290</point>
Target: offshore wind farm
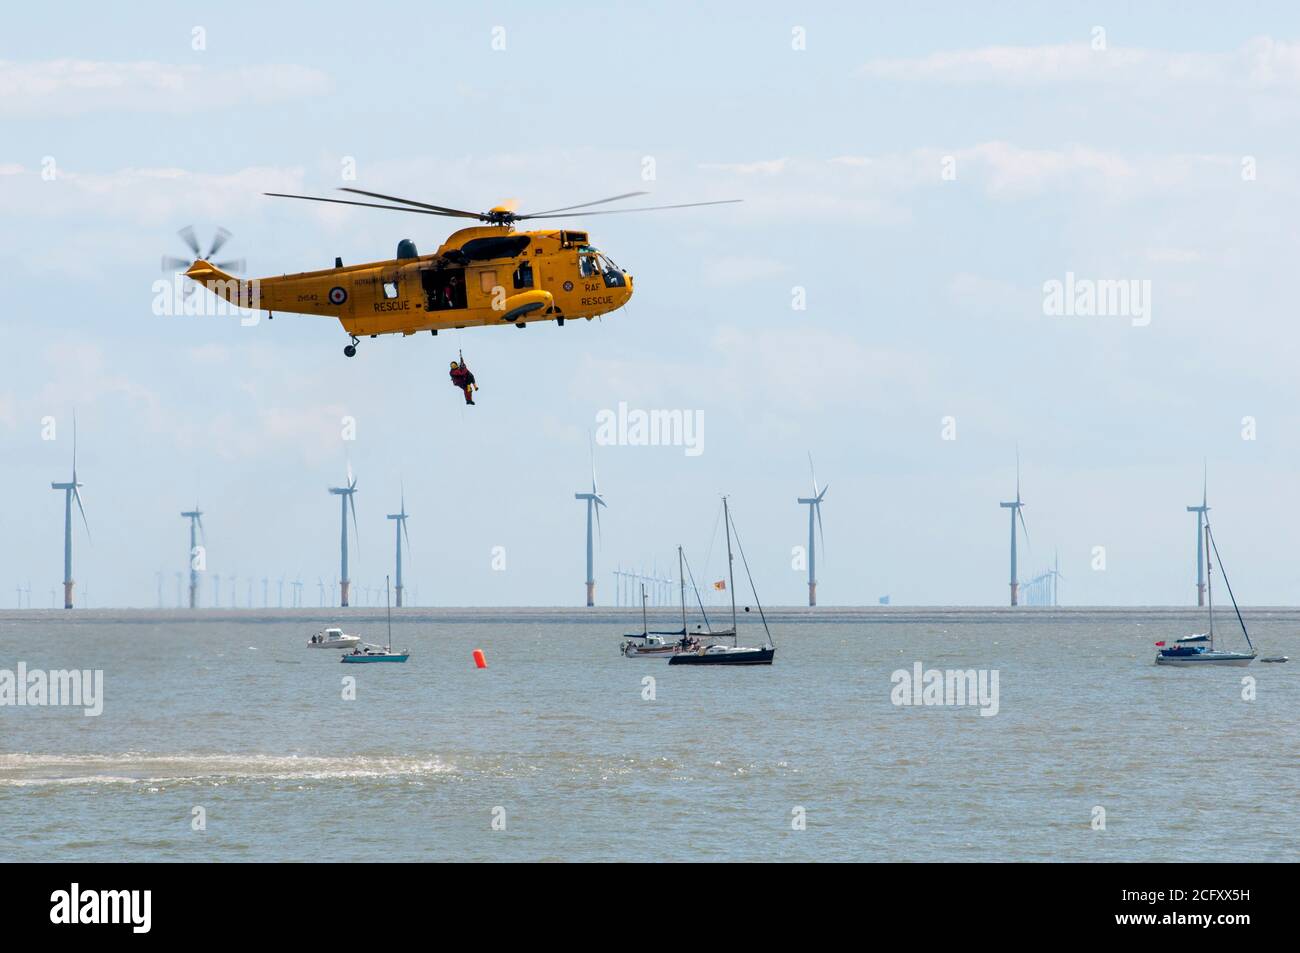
<point>630,588</point>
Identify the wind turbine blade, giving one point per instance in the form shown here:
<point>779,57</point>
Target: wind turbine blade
<point>352,505</point>
<point>408,538</point>
<point>76,495</point>
<point>1021,513</point>
<point>600,535</point>
<point>813,470</point>
<point>822,494</point>
<point>820,531</point>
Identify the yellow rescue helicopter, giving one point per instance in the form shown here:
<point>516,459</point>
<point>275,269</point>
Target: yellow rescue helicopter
<point>488,274</point>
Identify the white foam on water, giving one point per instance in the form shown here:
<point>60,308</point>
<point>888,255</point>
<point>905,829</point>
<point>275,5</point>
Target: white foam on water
<point>26,770</point>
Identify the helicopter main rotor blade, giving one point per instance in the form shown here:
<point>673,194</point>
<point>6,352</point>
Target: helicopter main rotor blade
<point>234,264</point>
<point>644,208</point>
<point>392,208</point>
<point>569,208</point>
<point>170,263</point>
<point>187,236</point>
<point>394,198</point>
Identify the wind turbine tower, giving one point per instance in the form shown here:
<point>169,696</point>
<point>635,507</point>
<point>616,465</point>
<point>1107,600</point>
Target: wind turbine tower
<point>594,503</point>
<point>1016,507</point>
<point>71,491</point>
<point>345,494</point>
<point>195,516</point>
<point>1200,512</point>
<point>814,504</point>
<point>400,529</point>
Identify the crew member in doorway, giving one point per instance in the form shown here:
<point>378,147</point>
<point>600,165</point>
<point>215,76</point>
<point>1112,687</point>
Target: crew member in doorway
<point>463,378</point>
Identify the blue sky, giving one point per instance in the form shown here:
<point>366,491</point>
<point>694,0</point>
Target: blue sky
<point>924,292</point>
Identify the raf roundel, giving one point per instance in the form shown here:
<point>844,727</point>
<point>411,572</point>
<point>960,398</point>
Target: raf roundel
<point>568,286</point>
<point>338,295</point>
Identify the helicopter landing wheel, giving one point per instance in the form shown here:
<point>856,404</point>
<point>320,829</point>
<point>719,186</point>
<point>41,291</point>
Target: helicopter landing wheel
<point>350,350</point>
<point>520,325</point>
<point>560,322</point>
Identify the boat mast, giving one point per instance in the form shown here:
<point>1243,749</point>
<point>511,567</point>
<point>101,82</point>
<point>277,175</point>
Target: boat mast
<point>1209,592</point>
<point>681,578</point>
<point>389,603</point>
<point>1227,585</point>
<point>731,571</point>
<point>645,626</point>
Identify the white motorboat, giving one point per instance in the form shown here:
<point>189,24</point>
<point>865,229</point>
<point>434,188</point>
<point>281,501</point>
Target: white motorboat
<point>333,639</point>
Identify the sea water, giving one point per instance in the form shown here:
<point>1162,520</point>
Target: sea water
<point>224,737</point>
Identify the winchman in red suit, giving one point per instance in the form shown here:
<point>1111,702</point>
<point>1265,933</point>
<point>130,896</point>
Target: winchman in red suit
<point>463,377</point>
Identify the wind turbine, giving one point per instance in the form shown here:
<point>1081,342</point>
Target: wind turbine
<point>1200,512</point>
<point>345,494</point>
<point>71,491</point>
<point>1015,507</point>
<point>594,503</point>
<point>400,529</point>
<point>195,516</point>
<point>814,504</point>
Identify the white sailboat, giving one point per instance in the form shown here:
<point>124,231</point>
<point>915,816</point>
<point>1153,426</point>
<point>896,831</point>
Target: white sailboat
<point>656,644</point>
<point>1199,650</point>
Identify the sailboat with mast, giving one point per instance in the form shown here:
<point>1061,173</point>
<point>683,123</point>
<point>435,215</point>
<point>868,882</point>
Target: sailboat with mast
<point>375,653</point>
<point>734,654</point>
<point>1199,649</point>
<point>648,644</point>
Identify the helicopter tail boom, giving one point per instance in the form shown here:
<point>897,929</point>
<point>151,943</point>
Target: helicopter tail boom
<point>244,294</point>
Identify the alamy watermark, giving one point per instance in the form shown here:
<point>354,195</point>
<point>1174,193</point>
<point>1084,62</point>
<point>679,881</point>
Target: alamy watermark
<point>180,296</point>
<point>651,428</point>
<point>946,687</point>
<point>75,688</point>
<point>1104,298</point>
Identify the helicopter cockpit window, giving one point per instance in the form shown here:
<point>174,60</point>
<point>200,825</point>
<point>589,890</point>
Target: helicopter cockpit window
<point>588,266</point>
<point>612,273</point>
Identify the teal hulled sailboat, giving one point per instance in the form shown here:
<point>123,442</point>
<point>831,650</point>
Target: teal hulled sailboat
<point>373,653</point>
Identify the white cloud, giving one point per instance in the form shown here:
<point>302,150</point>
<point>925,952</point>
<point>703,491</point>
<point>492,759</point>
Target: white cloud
<point>738,270</point>
<point>1260,63</point>
<point>761,167</point>
<point>69,87</point>
<point>146,196</point>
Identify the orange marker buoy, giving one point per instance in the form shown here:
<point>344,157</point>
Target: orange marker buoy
<point>480,660</point>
